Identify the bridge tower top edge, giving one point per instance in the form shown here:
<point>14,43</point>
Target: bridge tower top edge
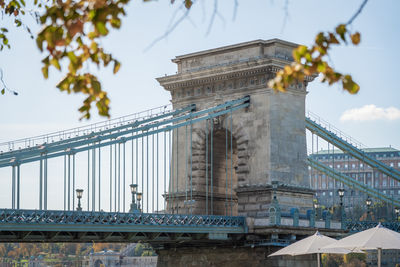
<point>276,50</point>
<point>230,72</point>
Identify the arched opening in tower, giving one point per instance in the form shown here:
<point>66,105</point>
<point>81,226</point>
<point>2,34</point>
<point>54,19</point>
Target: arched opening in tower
<point>221,181</point>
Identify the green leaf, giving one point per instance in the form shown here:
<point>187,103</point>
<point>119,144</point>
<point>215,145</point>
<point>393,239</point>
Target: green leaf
<point>101,28</point>
<point>350,85</point>
<point>17,22</point>
<point>55,63</point>
<point>3,91</point>
<point>341,30</point>
<point>45,71</point>
<point>188,3</point>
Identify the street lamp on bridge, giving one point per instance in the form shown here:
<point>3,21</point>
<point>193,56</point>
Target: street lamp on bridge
<point>397,212</point>
<point>341,194</point>
<point>134,207</point>
<point>139,198</point>
<point>368,202</point>
<point>316,206</point>
<point>79,193</point>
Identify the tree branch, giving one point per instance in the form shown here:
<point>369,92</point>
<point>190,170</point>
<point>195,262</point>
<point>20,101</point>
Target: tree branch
<point>357,13</point>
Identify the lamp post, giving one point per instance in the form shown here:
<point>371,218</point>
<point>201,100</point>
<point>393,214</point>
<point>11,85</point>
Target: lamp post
<point>341,194</point>
<point>316,206</point>
<point>79,193</point>
<point>139,198</point>
<point>368,202</point>
<point>134,207</point>
<point>397,211</point>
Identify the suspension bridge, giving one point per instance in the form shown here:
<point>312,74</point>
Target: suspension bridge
<point>224,164</point>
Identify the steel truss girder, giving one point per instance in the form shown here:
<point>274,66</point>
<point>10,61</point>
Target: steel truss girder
<point>357,226</point>
<point>351,182</point>
<point>89,138</point>
<point>352,150</point>
<point>90,143</point>
<point>86,237</point>
<point>76,225</point>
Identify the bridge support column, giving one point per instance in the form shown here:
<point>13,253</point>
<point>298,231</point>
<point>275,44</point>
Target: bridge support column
<point>229,256</point>
<point>267,140</point>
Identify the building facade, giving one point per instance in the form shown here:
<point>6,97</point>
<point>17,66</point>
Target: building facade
<point>327,188</point>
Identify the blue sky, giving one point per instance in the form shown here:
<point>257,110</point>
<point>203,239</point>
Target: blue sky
<point>40,108</point>
<point>371,116</point>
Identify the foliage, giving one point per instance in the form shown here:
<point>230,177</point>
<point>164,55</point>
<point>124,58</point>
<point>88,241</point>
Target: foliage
<point>348,260</point>
<point>313,61</point>
<point>71,39</point>
<point>143,250</point>
<point>351,257</point>
<point>71,36</point>
<point>331,260</point>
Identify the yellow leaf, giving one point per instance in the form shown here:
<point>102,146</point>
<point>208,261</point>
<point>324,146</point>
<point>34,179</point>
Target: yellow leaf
<point>356,38</point>
<point>117,65</point>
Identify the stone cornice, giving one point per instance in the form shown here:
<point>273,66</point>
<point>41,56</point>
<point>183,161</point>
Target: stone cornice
<point>234,47</point>
<point>215,75</point>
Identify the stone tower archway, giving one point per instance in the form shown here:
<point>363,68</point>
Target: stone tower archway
<point>270,134</point>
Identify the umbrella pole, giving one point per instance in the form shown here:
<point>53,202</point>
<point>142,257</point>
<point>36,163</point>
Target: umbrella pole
<point>379,257</point>
<point>318,260</point>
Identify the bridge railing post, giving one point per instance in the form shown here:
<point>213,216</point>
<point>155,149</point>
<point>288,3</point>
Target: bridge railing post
<point>311,217</point>
<point>295,215</point>
<point>326,215</point>
<point>274,212</point>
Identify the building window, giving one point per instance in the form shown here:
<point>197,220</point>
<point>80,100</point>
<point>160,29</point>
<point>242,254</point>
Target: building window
<point>384,182</point>
<point>391,182</point>
<point>330,193</point>
<point>353,166</point>
<point>323,193</point>
<point>324,185</point>
<point>391,164</point>
<point>330,166</point>
<point>338,166</point>
<point>369,175</point>
<point>384,191</point>
<point>346,166</point>
<point>398,164</point>
<point>361,165</point>
<point>376,183</point>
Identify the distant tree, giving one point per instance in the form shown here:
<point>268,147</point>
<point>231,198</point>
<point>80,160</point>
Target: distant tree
<point>355,256</point>
<point>332,260</point>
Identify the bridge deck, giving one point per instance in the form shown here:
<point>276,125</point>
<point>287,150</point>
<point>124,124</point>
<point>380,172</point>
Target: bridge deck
<point>64,226</point>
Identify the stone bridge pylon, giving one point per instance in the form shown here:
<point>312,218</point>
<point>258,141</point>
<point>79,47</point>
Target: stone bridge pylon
<point>266,147</point>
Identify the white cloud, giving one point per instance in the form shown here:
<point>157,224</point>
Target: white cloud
<point>371,113</point>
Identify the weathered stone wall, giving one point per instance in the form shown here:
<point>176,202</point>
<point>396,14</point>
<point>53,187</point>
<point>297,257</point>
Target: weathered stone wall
<point>270,134</point>
<point>230,257</point>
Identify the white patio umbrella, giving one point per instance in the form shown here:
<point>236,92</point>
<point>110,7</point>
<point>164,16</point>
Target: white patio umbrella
<point>378,238</point>
<point>311,245</point>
